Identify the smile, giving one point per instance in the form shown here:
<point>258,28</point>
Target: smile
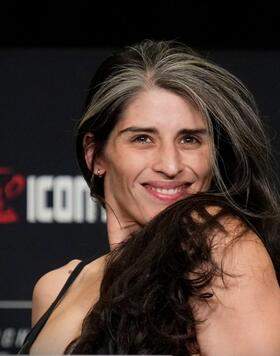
<point>166,194</point>
<point>167,191</point>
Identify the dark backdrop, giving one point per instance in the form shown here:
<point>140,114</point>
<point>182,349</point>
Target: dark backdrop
<point>42,94</point>
<point>47,57</point>
<point>87,23</point>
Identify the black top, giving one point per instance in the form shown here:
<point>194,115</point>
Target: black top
<point>32,335</point>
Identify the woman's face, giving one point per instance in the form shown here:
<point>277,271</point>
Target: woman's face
<point>158,153</point>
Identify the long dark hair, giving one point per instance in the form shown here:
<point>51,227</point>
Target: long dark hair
<point>144,301</point>
<point>144,305</point>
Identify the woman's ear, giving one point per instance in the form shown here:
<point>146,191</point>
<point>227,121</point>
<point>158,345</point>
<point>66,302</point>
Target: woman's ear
<point>94,164</point>
<point>89,148</point>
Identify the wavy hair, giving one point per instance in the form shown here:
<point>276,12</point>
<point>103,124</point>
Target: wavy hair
<point>143,305</point>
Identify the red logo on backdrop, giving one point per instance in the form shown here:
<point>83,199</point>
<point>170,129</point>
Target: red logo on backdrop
<point>12,185</point>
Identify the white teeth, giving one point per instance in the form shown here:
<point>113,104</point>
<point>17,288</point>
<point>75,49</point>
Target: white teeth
<point>167,191</point>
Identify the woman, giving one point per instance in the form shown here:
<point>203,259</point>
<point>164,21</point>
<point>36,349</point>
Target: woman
<point>173,147</point>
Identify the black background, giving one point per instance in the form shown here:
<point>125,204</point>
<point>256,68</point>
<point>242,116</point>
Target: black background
<point>202,24</point>
<point>48,51</point>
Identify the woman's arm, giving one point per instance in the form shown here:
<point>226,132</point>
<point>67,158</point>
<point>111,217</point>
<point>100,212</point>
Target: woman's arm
<point>48,287</point>
<point>243,317</point>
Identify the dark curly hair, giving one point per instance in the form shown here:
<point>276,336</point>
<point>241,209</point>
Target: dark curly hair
<point>144,305</point>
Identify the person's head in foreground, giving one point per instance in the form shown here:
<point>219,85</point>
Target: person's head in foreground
<point>173,147</point>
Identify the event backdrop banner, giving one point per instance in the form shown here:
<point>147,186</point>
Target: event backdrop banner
<point>47,217</point>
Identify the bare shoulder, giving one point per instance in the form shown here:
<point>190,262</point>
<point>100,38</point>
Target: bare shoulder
<point>47,288</point>
<point>237,246</point>
<point>246,297</point>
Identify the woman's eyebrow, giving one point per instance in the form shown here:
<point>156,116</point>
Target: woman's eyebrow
<point>198,131</point>
<point>138,129</point>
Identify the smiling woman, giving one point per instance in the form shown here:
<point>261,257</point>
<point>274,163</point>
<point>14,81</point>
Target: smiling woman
<point>157,153</point>
<point>173,148</point>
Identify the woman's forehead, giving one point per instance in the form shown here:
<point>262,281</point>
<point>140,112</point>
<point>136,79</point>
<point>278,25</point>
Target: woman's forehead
<point>158,107</point>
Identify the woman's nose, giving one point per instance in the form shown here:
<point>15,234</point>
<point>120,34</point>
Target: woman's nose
<point>168,161</point>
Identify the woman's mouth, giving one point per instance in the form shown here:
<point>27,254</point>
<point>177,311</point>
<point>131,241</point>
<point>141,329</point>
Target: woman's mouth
<point>168,192</point>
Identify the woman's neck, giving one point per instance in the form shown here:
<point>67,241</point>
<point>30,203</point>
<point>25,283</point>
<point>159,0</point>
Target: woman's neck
<point>119,231</point>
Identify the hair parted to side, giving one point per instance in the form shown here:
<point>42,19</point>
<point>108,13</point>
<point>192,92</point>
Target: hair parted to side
<point>241,151</point>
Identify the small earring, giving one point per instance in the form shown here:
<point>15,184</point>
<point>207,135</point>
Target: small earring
<point>99,173</point>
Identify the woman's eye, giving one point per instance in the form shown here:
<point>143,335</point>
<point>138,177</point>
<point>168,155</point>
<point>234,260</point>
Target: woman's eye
<point>142,139</point>
<point>189,140</point>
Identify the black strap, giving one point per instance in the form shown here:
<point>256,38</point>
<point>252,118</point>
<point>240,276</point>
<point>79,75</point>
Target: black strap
<point>42,321</point>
